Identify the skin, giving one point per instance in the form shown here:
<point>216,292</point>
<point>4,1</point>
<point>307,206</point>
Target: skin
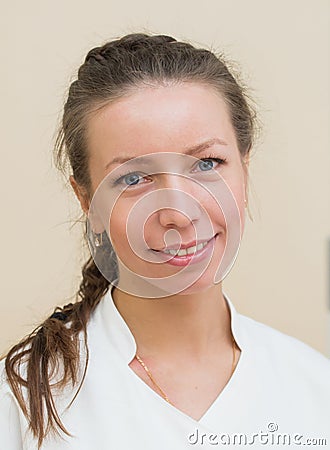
<point>185,340</point>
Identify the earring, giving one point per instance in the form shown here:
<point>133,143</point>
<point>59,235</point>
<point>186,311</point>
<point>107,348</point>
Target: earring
<point>98,239</point>
<point>95,239</point>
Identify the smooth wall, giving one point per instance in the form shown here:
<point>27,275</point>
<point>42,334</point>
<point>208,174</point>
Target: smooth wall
<point>281,48</point>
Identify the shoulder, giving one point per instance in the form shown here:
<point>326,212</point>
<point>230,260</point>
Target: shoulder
<point>10,417</point>
<point>2,373</point>
<point>6,393</point>
<point>285,353</point>
<point>5,389</point>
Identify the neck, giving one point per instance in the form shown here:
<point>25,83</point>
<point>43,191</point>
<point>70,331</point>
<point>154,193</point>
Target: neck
<point>196,324</point>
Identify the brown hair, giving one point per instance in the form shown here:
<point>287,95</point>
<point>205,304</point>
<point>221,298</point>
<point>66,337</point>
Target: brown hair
<point>108,72</point>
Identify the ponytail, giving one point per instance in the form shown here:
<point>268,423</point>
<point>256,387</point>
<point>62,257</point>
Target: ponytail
<point>54,342</point>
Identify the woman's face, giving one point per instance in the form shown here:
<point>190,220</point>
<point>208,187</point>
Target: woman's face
<point>169,201</point>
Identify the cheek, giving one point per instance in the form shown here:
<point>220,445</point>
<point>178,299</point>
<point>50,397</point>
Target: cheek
<point>238,194</point>
<point>227,206</point>
<point>124,233</point>
<point>225,200</point>
<point>118,222</point>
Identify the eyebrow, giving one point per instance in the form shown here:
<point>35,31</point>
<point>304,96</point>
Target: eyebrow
<point>194,150</point>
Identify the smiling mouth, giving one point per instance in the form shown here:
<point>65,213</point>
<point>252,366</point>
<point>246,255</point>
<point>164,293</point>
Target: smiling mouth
<point>184,250</point>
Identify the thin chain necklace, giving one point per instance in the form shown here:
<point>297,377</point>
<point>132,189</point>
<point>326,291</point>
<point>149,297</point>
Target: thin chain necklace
<point>160,389</point>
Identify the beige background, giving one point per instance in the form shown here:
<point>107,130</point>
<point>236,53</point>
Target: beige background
<point>281,276</point>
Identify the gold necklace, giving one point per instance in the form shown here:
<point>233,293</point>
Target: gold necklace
<point>159,388</point>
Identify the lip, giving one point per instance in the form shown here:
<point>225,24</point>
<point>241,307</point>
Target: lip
<point>183,246</point>
<point>187,259</point>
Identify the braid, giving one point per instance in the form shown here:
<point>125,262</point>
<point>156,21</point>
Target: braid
<point>54,341</point>
<point>131,43</point>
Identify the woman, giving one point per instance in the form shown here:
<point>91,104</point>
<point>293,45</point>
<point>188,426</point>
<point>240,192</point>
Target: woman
<point>154,355</point>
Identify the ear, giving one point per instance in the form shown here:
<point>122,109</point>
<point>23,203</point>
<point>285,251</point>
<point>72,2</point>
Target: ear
<point>83,197</point>
<point>81,194</point>
<point>245,163</point>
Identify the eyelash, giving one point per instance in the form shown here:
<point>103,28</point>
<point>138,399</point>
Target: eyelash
<point>212,157</point>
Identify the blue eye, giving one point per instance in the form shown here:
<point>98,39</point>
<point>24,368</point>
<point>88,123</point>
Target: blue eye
<point>206,164</point>
<point>131,178</point>
<point>136,178</point>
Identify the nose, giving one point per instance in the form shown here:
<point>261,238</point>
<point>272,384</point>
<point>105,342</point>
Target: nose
<point>172,218</point>
<point>178,208</point>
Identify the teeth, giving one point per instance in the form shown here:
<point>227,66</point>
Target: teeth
<point>186,251</point>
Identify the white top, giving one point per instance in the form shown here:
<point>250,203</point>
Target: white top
<point>279,393</point>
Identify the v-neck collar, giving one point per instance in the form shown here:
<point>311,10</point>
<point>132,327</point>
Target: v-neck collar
<point>122,343</point>
<point>122,339</point>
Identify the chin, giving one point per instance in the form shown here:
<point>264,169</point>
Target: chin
<point>202,285</point>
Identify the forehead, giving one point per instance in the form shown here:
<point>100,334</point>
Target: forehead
<point>158,119</point>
